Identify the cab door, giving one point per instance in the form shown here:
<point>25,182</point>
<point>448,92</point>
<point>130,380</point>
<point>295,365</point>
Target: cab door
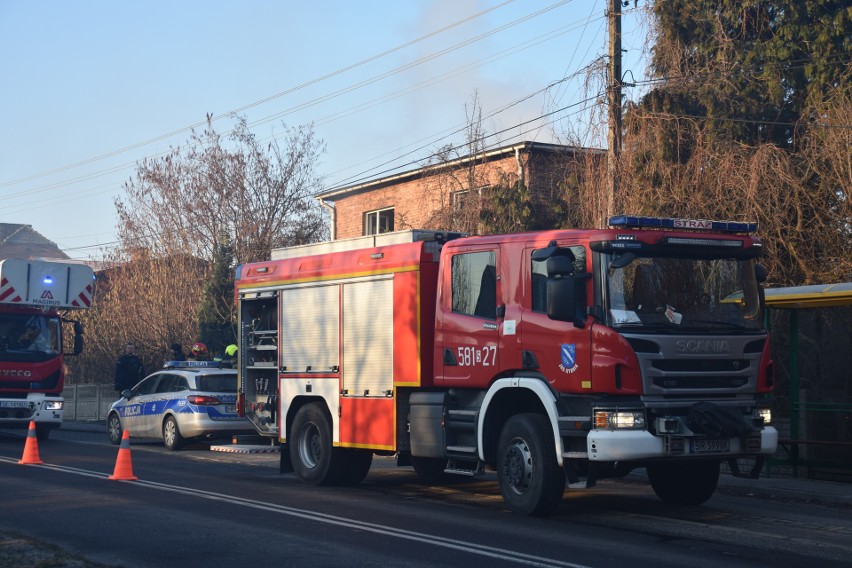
<point>560,350</point>
<point>467,330</point>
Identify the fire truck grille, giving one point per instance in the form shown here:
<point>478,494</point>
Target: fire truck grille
<point>701,365</point>
<point>700,382</point>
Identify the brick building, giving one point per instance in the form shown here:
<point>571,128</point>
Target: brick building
<point>449,195</point>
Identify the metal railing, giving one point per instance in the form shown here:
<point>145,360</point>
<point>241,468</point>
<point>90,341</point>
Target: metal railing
<point>88,402</point>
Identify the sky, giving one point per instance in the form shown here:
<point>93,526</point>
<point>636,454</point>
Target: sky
<point>91,88</point>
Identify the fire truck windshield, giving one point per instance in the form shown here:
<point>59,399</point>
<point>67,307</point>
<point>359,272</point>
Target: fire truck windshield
<point>682,295</point>
<point>28,337</point>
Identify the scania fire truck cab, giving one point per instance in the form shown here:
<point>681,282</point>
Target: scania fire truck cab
<point>549,357</point>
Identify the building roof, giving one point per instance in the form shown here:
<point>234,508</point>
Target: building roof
<point>528,147</point>
<point>24,242</point>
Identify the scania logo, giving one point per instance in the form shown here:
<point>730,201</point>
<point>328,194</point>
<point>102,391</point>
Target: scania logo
<point>702,346</point>
<point>15,373</point>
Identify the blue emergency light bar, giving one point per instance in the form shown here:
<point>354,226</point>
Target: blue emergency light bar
<point>629,222</point>
<point>193,364</point>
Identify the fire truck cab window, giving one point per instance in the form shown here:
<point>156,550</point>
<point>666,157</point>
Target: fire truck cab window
<point>539,277</point>
<point>474,280</point>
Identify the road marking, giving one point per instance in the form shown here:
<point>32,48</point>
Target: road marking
<point>435,540</point>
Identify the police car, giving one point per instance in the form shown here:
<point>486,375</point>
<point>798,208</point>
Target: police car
<point>184,400</point>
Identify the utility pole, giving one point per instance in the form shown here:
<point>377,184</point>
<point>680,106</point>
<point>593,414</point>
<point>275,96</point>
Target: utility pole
<point>613,90</point>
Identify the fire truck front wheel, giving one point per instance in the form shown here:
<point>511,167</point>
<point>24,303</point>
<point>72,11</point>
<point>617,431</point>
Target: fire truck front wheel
<point>684,483</point>
<point>531,481</point>
<point>42,432</point>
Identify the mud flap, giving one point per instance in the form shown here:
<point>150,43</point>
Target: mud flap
<point>286,464</point>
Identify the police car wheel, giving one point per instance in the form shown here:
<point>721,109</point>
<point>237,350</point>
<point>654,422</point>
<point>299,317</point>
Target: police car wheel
<point>114,429</point>
<point>171,434</point>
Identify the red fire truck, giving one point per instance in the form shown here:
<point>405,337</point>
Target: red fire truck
<point>33,298</point>
<point>551,357</point>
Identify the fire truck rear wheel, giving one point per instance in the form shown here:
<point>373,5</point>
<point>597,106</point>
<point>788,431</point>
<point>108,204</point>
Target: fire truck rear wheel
<point>352,465</point>
<point>684,483</point>
<point>531,481</point>
<point>311,445</point>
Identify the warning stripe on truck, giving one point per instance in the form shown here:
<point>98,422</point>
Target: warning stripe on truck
<point>6,290</point>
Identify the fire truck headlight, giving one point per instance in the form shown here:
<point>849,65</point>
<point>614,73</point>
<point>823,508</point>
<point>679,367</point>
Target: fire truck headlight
<point>619,419</point>
<point>53,405</point>
<point>765,414</point>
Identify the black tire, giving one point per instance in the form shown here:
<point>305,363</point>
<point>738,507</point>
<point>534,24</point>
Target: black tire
<point>430,470</point>
<point>310,445</point>
<point>114,430</point>
<point>354,465</point>
<point>42,432</point>
<point>684,483</point>
<point>172,438</point>
<point>531,481</point>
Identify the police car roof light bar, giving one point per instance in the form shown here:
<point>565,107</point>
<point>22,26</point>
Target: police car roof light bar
<point>630,222</point>
<point>193,364</point>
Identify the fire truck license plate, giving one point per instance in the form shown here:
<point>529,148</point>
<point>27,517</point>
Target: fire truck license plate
<point>13,404</point>
<point>709,446</point>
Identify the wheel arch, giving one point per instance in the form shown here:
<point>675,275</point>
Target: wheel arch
<point>507,397</point>
<point>296,404</point>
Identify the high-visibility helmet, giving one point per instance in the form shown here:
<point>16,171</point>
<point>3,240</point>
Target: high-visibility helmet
<point>230,350</point>
<point>199,348</point>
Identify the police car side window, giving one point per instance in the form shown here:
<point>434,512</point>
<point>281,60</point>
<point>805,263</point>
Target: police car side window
<point>147,386</point>
<point>167,384</point>
<point>181,385</point>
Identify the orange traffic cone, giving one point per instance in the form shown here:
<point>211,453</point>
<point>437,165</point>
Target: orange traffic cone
<point>123,468</point>
<point>31,447</point>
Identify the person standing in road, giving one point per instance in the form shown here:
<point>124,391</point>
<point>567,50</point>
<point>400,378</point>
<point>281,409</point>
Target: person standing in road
<point>129,369</point>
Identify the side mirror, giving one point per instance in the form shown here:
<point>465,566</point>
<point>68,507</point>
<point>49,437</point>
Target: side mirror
<point>561,300</point>
<point>126,393</point>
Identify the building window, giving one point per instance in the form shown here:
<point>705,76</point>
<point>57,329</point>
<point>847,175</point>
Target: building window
<point>380,221</point>
<point>466,197</point>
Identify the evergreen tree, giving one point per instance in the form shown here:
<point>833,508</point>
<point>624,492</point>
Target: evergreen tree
<point>748,66</point>
<point>216,317</point>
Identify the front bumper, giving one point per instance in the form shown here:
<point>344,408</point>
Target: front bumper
<point>41,410</point>
<point>632,445</point>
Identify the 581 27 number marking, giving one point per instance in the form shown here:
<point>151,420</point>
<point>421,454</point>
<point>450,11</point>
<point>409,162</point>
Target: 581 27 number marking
<point>472,356</point>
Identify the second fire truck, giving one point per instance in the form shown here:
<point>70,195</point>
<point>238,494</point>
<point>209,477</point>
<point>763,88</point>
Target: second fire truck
<point>553,358</point>
<point>34,295</point>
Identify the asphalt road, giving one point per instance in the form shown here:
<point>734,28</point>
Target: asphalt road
<point>198,507</point>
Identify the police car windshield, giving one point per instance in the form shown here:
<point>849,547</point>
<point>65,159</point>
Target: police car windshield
<point>683,295</point>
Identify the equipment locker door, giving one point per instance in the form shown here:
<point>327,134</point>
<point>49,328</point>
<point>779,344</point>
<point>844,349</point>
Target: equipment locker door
<point>468,331</point>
